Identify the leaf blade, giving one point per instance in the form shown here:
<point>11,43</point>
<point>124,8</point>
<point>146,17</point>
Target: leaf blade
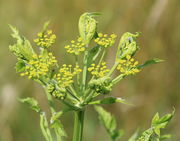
<point>150,62</point>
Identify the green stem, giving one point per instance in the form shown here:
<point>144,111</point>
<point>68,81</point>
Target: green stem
<point>117,79</point>
<point>84,71</point>
<point>77,64</point>
<point>113,68</point>
<point>50,102</point>
<point>78,125</point>
<point>102,57</point>
<point>58,137</point>
<point>89,97</point>
<point>74,92</point>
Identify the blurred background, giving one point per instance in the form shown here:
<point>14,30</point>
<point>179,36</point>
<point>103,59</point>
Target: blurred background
<point>155,89</point>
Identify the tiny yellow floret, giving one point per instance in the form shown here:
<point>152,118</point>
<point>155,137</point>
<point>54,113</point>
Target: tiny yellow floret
<point>45,39</point>
<point>98,71</point>
<point>127,66</point>
<point>76,47</point>
<point>104,40</point>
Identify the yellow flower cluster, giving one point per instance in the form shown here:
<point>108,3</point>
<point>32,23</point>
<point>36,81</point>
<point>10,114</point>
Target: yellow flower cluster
<point>66,74</point>
<point>128,66</point>
<point>39,66</point>
<point>76,46</point>
<point>98,71</point>
<point>105,40</point>
<point>45,39</point>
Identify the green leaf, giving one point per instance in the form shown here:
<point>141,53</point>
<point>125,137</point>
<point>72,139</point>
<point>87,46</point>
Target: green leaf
<point>93,54</point>
<point>134,136</point>
<point>154,133</point>
<point>109,122</point>
<point>56,116</point>
<point>146,135</point>
<point>109,100</point>
<point>150,62</point>
<point>164,137</point>
<point>45,127</point>
<point>163,121</point>
<point>155,118</point>
<point>106,119</point>
<point>22,48</point>
<point>20,66</point>
<point>58,127</point>
<point>117,134</point>
<point>32,103</point>
<point>87,26</point>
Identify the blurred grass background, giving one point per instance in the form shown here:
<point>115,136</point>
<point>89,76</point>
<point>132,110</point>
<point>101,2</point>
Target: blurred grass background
<point>156,88</point>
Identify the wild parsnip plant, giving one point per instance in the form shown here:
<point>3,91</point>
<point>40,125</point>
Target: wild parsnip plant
<point>85,82</point>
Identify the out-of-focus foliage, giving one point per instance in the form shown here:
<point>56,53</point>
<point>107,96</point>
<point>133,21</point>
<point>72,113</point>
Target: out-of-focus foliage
<point>155,89</point>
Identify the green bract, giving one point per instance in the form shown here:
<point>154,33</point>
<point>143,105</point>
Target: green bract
<point>127,45</point>
<point>85,82</point>
<point>87,26</point>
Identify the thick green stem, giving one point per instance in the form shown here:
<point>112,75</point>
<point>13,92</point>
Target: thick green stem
<point>78,125</point>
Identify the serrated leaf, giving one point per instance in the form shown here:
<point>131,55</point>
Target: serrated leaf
<point>109,122</point>
<point>20,66</point>
<point>109,100</point>
<point>154,133</point>
<point>150,62</point>
<point>32,103</point>
<point>106,119</point>
<point>93,54</point>
<point>163,121</point>
<point>45,127</point>
<point>22,48</point>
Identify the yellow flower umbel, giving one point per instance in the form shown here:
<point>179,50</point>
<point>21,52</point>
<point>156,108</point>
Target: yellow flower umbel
<point>76,46</point>
<point>104,40</point>
<point>66,74</point>
<point>98,71</point>
<point>128,66</point>
<point>39,66</point>
<point>45,39</point>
